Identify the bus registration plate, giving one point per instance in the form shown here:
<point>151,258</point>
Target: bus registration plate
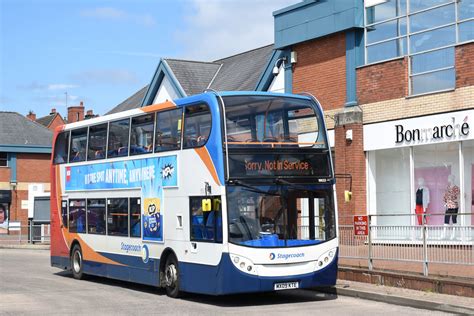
<point>286,286</point>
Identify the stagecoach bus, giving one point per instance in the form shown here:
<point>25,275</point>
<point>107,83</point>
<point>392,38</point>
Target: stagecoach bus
<point>216,193</point>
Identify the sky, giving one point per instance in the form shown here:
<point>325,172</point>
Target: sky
<point>58,52</point>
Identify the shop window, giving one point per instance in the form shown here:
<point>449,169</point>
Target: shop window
<point>206,218</point>
<point>97,142</point>
<point>389,186</point>
<point>77,216</point>
<point>60,148</point>
<point>64,213</point>
<point>168,130</point>
<point>197,125</point>
<point>117,217</point>
<point>141,138</point>
<point>437,171</point>
<point>135,217</point>
<point>78,145</point>
<point>96,216</point>
<point>118,138</point>
<point>468,151</point>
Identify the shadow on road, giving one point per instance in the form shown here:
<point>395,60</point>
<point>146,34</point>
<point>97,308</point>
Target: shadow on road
<point>234,300</point>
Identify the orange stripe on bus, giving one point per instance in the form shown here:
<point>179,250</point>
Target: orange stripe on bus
<point>206,158</point>
<point>157,107</point>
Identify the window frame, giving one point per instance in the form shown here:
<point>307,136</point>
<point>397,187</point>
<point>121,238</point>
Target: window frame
<point>87,216</point>
<point>129,118</point>
<point>214,240</point>
<point>153,114</point>
<point>106,140</point>
<point>185,118</point>
<point>69,215</point>
<point>70,144</point>
<point>6,160</point>
<point>180,147</point>
<point>107,216</point>
<point>67,147</point>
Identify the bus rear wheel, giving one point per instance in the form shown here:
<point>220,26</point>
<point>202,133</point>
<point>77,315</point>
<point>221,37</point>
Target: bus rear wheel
<point>171,277</point>
<point>77,263</point>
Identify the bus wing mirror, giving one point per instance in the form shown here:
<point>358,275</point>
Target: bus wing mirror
<point>206,205</point>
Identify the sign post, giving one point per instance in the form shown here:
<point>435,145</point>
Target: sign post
<point>361,225</point>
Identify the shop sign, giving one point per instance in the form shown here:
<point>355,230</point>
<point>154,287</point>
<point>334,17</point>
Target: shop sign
<point>425,130</point>
<point>452,130</point>
<point>361,225</point>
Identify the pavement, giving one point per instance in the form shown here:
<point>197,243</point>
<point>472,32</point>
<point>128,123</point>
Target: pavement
<point>344,292</point>
<point>399,296</point>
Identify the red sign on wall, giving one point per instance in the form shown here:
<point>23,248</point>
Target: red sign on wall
<point>361,225</point>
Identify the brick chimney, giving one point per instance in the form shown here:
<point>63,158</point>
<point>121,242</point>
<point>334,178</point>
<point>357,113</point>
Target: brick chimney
<point>75,113</point>
<point>31,115</point>
<point>53,111</point>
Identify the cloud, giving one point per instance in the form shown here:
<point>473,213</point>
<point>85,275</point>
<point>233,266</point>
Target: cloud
<point>109,13</point>
<point>106,76</point>
<point>215,29</point>
<point>38,87</point>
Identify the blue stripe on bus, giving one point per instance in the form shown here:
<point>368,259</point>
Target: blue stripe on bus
<point>222,279</point>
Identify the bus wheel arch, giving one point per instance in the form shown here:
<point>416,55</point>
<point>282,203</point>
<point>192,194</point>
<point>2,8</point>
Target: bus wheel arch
<point>169,273</point>
<point>76,260</point>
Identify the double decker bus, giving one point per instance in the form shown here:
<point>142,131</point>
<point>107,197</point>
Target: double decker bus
<point>216,193</point>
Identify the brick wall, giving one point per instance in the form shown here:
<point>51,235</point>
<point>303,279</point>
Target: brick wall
<point>383,81</point>
<point>321,70</point>
<point>350,159</point>
<point>464,65</point>
<point>33,168</point>
<point>57,121</point>
<point>5,174</point>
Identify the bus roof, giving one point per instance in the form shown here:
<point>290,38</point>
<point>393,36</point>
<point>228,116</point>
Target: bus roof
<point>177,103</point>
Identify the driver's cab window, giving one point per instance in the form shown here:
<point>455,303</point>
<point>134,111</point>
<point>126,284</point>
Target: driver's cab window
<point>206,218</point>
<point>197,125</point>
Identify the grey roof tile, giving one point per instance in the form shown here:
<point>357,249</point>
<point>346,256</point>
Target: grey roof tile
<point>193,76</point>
<point>132,102</point>
<point>15,129</point>
<point>242,71</point>
<point>46,120</point>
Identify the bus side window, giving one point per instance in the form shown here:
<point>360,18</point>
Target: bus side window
<point>97,142</point>
<point>61,148</point>
<point>168,130</point>
<point>118,138</point>
<point>96,216</point>
<point>141,137</point>
<point>117,217</point>
<point>77,150</point>
<point>77,216</point>
<point>64,213</point>
<point>135,217</point>
<point>206,224</point>
<point>197,125</point>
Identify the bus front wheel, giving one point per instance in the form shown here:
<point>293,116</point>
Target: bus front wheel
<point>76,262</point>
<point>171,277</point>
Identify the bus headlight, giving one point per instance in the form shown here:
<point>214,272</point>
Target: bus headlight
<point>325,259</point>
<point>243,264</point>
<point>236,259</point>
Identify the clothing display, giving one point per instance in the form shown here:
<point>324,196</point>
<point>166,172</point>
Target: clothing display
<point>451,197</point>
<point>422,200</point>
<point>451,212</point>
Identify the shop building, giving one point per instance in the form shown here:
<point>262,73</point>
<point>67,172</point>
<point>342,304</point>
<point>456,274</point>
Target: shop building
<point>396,81</point>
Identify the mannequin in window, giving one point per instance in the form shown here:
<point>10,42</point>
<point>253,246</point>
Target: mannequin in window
<point>451,197</point>
<point>422,200</point>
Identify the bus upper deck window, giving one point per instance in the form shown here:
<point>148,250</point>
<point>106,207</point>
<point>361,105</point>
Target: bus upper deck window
<point>78,145</point>
<point>168,130</point>
<point>97,142</point>
<point>61,148</point>
<point>141,137</point>
<point>197,125</point>
<point>118,138</point>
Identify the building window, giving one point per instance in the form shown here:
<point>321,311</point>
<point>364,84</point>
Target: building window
<point>3,160</point>
<point>426,32</point>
